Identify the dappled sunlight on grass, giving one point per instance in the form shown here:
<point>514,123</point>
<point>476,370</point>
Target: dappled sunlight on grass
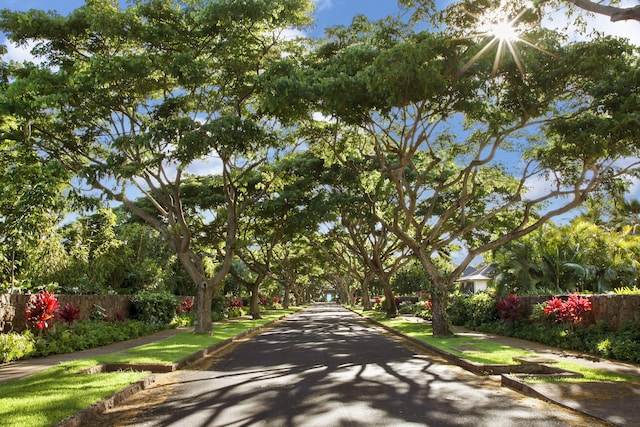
<point>48,397</point>
<point>45,398</point>
<point>588,375</point>
<point>470,348</point>
<point>171,350</point>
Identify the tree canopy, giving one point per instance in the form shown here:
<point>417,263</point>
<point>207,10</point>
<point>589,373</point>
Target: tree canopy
<point>390,140</point>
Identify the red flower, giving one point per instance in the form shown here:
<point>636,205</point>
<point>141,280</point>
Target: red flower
<point>569,311</point>
<point>41,308</point>
<point>509,308</point>
<point>69,313</point>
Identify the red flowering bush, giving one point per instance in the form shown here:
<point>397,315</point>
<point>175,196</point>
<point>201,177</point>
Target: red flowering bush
<point>509,308</point>
<point>570,311</point>
<point>235,303</point>
<point>185,306</point>
<point>276,300</point>
<point>41,308</point>
<point>69,313</point>
<point>428,303</point>
<point>262,300</point>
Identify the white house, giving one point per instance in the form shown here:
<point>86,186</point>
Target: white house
<point>476,279</point>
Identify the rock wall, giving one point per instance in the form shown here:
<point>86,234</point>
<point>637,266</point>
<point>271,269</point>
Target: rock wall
<point>12,307</point>
<point>612,309</point>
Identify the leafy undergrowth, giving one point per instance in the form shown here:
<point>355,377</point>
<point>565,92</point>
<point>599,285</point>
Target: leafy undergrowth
<point>48,397</point>
<point>178,347</point>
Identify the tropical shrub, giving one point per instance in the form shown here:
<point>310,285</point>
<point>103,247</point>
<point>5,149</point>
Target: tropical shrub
<point>185,306</point>
<point>235,303</point>
<point>627,290</point>
<point>569,311</point>
<point>424,309</point>
<point>99,313</point>
<point>406,307</point>
<point>68,313</point>
<point>14,346</point>
<point>154,307</point>
<point>509,308</point>
<point>67,338</point>
<point>41,309</point>
<point>472,311</point>
<point>235,312</point>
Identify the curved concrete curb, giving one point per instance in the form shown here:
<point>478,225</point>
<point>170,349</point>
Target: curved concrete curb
<point>85,417</point>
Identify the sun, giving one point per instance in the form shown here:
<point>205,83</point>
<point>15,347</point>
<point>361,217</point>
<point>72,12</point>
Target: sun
<point>503,32</point>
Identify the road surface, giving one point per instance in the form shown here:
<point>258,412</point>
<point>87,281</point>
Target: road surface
<point>327,367</point>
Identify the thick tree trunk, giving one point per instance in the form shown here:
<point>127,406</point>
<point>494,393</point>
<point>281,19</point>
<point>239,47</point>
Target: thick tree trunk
<point>366,298</point>
<point>390,300</point>
<point>285,301</point>
<point>254,301</point>
<point>204,295</point>
<point>440,319</point>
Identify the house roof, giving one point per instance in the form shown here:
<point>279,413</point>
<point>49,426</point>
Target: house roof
<point>472,274</point>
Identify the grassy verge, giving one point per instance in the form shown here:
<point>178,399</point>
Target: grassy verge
<point>48,397</point>
<point>470,348</point>
<point>178,347</point>
<point>588,375</point>
<point>488,352</point>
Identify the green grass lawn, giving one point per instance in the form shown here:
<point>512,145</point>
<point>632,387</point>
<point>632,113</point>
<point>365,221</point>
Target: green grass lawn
<point>470,348</point>
<point>488,352</point>
<point>48,397</point>
<point>178,347</point>
<point>588,375</point>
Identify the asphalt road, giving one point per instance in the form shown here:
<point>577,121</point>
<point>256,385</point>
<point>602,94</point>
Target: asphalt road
<point>327,367</point>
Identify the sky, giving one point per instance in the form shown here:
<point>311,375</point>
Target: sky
<point>340,12</point>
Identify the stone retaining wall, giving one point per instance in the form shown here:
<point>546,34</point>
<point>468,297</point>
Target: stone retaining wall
<point>12,307</point>
<point>612,309</point>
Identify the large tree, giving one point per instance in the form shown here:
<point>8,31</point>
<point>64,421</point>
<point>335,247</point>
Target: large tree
<point>465,127</point>
<point>129,98</point>
<point>612,9</point>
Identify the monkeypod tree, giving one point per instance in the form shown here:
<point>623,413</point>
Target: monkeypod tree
<point>129,99</point>
<point>482,138</point>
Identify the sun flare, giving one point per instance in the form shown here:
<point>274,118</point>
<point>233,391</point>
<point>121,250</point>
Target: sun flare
<point>503,31</point>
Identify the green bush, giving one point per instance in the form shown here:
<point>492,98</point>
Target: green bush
<point>235,312</point>
<point>599,339</point>
<point>471,311</point>
<point>406,307</point>
<point>14,346</point>
<point>156,308</point>
<point>78,336</point>
<point>219,307</point>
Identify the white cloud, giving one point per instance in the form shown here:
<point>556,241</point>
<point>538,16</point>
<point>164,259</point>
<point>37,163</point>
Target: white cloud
<point>206,166</point>
<point>558,19</point>
<point>319,117</point>
<point>20,53</point>
<point>323,4</point>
